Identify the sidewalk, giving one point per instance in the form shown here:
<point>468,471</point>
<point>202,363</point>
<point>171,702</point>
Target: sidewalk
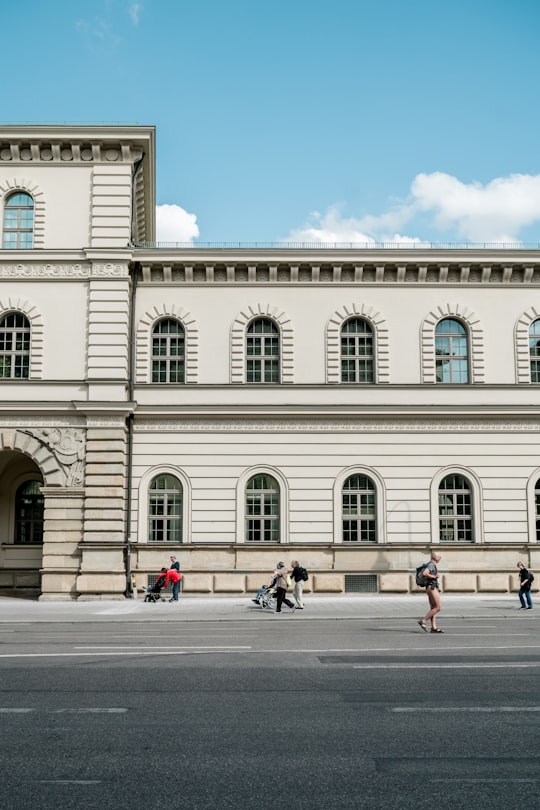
<point>235,608</point>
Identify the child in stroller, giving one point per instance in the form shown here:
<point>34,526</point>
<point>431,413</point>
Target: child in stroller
<point>153,593</point>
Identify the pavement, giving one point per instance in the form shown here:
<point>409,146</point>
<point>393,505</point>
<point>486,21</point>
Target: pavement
<point>381,607</point>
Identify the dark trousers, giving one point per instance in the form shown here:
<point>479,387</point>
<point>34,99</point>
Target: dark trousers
<point>281,596</point>
<point>175,589</point>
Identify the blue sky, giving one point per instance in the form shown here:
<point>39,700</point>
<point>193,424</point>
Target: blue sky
<point>320,121</point>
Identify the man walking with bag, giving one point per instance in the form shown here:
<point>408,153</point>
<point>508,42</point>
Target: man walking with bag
<point>431,574</point>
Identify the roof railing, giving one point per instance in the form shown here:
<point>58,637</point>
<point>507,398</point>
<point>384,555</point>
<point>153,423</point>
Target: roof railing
<point>340,245</point>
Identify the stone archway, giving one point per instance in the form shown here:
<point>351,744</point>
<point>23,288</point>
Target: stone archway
<point>56,457</point>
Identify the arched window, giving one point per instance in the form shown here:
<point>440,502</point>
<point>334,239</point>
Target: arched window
<point>262,352</point>
<point>14,346</point>
<point>18,230</point>
<point>165,510</point>
<point>29,513</point>
<point>455,510</point>
<point>451,352</point>
<point>262,509</point>
<point>168,352</point>
<point>358,511</point>
<point>357,361</point>
<point>537,509</point>
<point>534,350</point>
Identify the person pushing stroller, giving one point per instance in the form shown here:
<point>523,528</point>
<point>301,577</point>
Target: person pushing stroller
<point>153,592</point>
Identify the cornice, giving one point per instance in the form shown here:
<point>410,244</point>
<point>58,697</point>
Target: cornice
<point>368,268</point>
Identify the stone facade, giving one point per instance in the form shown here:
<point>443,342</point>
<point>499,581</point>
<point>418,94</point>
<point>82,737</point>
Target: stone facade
<point>91,423</point>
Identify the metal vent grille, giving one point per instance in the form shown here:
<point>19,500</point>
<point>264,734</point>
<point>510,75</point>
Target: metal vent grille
<point>360,583</point>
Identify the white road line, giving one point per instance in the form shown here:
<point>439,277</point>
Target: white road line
<point>106,647</point>
<point>67,781</point>
<point>79,710</point>
<point>485,709</point>
<point>449,666</point>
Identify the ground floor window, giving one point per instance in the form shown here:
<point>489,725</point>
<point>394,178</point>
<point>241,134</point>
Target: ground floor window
<point>29,507</point>
<point>359,510</point>
<point>262,509</point>
<point>165,510</point>
<point>455,510</point>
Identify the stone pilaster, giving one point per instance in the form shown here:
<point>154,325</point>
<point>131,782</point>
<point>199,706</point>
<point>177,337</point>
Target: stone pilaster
<point>62,533</point>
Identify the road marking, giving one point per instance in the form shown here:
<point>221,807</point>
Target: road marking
<point>67,781</point>
<point>501,665</point>
<point>77,710</point>
<point>185,647</point>
<point>485,709</point>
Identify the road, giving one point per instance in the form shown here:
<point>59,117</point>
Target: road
<point>271,713</point>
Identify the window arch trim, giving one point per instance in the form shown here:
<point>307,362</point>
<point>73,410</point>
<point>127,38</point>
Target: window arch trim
<point>17,184</point>
<point>139,519</point>
<point>145,328</point>
<point>381,349</point>
<point>472,324</point>
<point>477,517</point>
<point>380,503</point>
<point>531,506</point>
<point>37,332</point>
<point>241,486</point>
<point>238,342</point>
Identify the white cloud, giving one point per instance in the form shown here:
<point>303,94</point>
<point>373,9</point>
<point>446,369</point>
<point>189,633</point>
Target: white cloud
<point>174,224</point>
<point>495,212</point>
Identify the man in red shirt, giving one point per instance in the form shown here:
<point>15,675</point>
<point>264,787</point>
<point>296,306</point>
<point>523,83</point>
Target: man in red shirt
<point>174,577</point>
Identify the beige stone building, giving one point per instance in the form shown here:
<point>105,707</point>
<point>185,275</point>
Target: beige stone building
<point>235,406</point>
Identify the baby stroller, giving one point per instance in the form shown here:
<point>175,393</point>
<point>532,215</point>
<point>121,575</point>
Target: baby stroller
<point>153,593</point>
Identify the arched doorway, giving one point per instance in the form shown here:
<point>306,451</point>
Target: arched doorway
<point>21,524</point>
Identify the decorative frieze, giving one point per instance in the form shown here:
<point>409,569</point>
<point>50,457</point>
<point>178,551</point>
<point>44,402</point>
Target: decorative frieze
<point>68,446</point>
<point>360,425</point>
<point>63,271</point>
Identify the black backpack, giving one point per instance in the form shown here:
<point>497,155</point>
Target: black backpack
<point>303,574</point>
<point>420,579</point>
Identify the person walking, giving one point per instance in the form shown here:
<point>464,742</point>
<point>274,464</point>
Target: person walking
<point>433,594</point>
<point>525,582</point>
<point>280,575</point>
<point>298,577</point>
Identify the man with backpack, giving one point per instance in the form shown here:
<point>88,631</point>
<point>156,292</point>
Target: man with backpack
<point>430,577</point>
<point>525,582</point>
<point>299,575</point>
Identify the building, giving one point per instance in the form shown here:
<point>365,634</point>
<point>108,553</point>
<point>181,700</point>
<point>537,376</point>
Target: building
<point>351,408</point>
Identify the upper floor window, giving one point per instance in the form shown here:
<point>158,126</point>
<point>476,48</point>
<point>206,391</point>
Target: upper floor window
<point>18,228</point>
<point>29,507</point>
<point>14,346</point>
<point>262,351</point>
<point>165,510</point>
<point>537,509</point>
<point>358,500</point>
<point>168,352</point>
<point>451,352</point>
<point>534,350</point>
<point>262,509</point>
<point>455,510</point>
<point>357,352</point>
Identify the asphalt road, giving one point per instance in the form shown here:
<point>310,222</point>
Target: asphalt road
<point>281,713</point>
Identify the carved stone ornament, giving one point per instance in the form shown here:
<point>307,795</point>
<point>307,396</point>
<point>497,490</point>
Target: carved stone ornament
<point>68,445</point>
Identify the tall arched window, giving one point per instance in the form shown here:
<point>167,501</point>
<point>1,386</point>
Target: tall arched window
<point>262,352</point>
<point>168,352</point>
<point>14,346</point>
<point>262,509</point>
<point>455,510</point>
<point>165,510</point>
<point>451,352</point>
<point>29,506</point>
<point>358,512</point>
<point>534,350</point>
<point>18,230</point>
<point>537,509</point>
<point>357,364</point>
